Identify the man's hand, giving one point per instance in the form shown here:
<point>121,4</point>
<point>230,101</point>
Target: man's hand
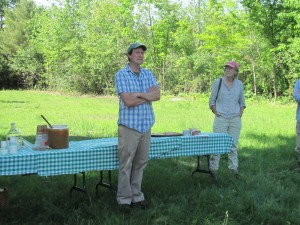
<point>152,95</point>
<point>132,99</point>
<point>138,98</point>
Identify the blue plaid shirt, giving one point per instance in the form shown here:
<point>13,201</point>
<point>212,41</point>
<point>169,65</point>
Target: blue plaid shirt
<point>141,117</point>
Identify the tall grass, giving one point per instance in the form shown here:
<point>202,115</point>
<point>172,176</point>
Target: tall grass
<point>267,192</point>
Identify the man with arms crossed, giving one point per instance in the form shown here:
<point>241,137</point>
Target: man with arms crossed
<point>136,88</point>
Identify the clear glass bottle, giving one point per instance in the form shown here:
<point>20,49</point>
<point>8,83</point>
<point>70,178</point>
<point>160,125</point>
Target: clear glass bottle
<point>13,132</point>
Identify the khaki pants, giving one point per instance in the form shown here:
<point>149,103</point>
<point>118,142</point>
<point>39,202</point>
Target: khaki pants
<point>298,140</point>
<point>232,127</point>
<point>133,149</point>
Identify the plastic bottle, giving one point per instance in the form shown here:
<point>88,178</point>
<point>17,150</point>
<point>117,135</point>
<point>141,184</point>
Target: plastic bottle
<point>13,147</point>
<point>41,141</point>
<point>3,149</point>
<point>13,132</point>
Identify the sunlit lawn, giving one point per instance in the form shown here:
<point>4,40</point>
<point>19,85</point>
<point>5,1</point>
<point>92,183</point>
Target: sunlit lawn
<point>266,194</point>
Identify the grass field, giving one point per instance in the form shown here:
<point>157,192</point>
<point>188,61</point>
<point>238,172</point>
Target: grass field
<point>267,192</point>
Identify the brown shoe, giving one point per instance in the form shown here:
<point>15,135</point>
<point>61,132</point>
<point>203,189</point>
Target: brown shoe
<point>125,208</point>
<point>143,204</point>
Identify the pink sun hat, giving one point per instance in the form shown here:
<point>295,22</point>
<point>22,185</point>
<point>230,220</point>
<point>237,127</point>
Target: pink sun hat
<point>233,64</point>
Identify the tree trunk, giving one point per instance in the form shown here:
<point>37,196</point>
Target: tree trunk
<point>254,77</point>
<point>275,83</point>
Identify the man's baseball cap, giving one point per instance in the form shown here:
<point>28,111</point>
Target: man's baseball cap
<point>134,46</point>
<point>233,64</point>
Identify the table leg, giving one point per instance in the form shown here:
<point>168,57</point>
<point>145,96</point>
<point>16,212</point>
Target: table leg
<point>107,184</point>
<point>199,170</point>
<point>82,189</point>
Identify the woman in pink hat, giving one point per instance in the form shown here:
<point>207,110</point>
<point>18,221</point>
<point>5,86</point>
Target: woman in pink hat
<point>227,102</point>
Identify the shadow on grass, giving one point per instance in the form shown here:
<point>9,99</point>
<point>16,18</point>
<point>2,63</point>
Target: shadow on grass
<point>268,187</point>
<point>268,153</point>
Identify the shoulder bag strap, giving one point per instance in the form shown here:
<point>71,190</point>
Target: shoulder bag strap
<point>219,88</point>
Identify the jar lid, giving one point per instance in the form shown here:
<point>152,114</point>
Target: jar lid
<point>59,127</point>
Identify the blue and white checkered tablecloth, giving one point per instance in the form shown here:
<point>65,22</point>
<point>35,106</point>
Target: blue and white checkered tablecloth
<point>203,144</point>
<point>22,162</point>
<point>81,156</point>
<point>97,154</point>
<point>207,144</point>
<point>101,154</point>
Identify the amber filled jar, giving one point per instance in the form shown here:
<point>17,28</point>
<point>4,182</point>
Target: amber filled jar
<point>58,136</point>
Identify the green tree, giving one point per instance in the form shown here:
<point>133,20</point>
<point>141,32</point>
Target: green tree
<point>223,37</point>
<point>82,43</point>
<point>276,22</point>
<point>4,4</point>
<point>13,38</point>
<point>78,45</point>
<point>289,48</point>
